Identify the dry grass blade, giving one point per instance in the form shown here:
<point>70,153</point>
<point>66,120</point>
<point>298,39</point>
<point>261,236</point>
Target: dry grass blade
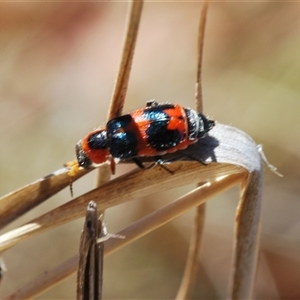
<point>227,145</point>
<point>132,233</point>
<point>248,213</point>
<point>246,237</point>
<point>120,88</point>
<point>135,184</point>
<point>87,275</point>
<point>15,204</point>
<point>86,240</point>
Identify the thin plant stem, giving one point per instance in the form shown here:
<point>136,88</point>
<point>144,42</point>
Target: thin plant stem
<point>191,267</point>
<point>192,263</point>
<point>120,88</point>
<point>201,31</point>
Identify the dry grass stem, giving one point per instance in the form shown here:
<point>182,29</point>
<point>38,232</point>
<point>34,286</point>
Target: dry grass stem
<point>201,31</point>
<point>246,237</point>
<point>135,184</point>
<point>86,267</point>
<point>120,88</point>
<point>191,267</point>
<point>90,270</point>
<point>99,257</point>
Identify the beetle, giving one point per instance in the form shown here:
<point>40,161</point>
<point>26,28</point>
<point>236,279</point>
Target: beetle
<point>155,130</point>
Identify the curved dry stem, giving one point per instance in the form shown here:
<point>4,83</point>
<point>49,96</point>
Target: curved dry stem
<point>132,233</point>
<point>191,266</point>
<point>120,88</point>
<point>246,237</point>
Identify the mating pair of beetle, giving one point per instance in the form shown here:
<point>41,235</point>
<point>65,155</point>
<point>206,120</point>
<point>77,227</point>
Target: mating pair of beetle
<point>153,131</point>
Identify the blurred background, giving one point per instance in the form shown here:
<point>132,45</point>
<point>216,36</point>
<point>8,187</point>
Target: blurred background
<point>58,63</point>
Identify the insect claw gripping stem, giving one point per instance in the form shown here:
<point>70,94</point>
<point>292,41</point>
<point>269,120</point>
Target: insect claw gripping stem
<point>138,163</point>
<point>158,162</point>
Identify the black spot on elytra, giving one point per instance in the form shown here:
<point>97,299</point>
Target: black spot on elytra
<point>97,140</point>
<point>158,136</point>
<point>123,143</point>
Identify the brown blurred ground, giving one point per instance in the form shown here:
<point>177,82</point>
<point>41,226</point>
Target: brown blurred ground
<point>58,63</point>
